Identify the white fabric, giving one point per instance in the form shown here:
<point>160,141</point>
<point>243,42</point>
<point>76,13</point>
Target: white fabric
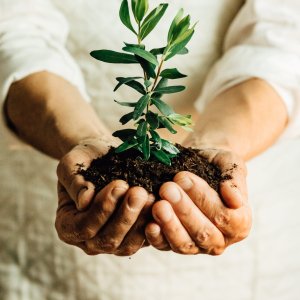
<point>264,42</point>
<point>35,265</point>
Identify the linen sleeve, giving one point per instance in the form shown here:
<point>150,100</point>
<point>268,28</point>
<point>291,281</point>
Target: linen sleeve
<point>32,38</point>
<point>263,42</point>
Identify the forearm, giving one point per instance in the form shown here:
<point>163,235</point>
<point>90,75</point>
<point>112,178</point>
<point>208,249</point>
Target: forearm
<point>246,119</point>
<point>50,114</point>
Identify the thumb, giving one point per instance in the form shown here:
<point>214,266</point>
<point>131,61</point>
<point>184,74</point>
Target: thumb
<point>79,190</point>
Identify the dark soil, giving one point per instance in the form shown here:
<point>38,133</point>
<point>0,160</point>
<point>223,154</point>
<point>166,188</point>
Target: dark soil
<point>129,166</point>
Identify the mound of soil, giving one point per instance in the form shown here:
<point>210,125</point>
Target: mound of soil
<point>130,167</point>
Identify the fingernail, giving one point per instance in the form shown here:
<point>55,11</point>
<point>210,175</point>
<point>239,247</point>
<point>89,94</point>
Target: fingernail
<point>154,231</point>
<point>118,192</point>
<point>185,183</point>
<point>164,215</point>
<point>172,194</point>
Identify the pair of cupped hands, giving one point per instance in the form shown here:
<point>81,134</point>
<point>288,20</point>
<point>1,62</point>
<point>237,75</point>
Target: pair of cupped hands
<point>189,218</point>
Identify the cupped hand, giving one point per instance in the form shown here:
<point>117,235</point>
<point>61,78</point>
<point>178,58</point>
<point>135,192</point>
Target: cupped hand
<point>112,221</point>
<point>193,218</point>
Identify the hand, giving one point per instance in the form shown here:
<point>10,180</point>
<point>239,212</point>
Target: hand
<point>112,221</point>
<point>193,218</point>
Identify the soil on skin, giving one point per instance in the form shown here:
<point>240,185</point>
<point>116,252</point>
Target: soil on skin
<point>130,167</point>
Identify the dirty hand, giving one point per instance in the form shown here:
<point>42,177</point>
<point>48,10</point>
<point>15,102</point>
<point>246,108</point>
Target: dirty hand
<point>112,221</point>
<point>193,218</point>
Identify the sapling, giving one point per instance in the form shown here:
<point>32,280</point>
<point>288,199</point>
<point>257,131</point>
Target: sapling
<point>153,84</point>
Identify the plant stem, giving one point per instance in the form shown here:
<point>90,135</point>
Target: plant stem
<point>158,73</point>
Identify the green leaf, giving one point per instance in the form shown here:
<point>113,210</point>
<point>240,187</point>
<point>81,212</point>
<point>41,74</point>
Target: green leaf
<point>181,120</point>
<point>172,74</point>
<point>129,104</point>
<point>174,24</point>
<point>162,157</point>
<point>161,84</point>
<point>114,57</point>
<point>142,53</point>
<point>142,128</point>
<point>169,147</point>
<point>137,86</point>
<point>125,16</point>
<point>131,82</point>
<point>126,145</point>
<point>148,68</point>
<point>152,20</point>
<point>156,138</point>
<point>152,119</point>
<point>181,27</point>
<point>135,45</point>
<point>146,148</point>
<point>158,51</point>
<point>141,9</point>
<point>183,51</point>
<point>170,89</point>
<point>180,43</point>
<point>133,6</point>
<point>164,108</point>
<point>124,80</point>
<point>124,134</point>
<point>147,83</point>
<point>166,124</point>
<point>126,118</point>
<point>140,106</point>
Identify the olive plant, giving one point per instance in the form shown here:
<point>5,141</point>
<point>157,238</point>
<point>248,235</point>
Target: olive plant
<point>153,84</point>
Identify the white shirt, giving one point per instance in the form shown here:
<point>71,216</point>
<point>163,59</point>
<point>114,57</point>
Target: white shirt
<point>262,41</point>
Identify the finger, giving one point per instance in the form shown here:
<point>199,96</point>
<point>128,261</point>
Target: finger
<point>112,235</point>
<point>74,227</point>
<point>156,237</point>
<point>202,231</point>
<point>80,191</point>
<point>233,188</point>
<point>135,239</point>
<point>176,235</point>
<point>63,197</point>
<point>230,222</point>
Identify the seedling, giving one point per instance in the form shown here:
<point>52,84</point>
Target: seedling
<point>153,84</point>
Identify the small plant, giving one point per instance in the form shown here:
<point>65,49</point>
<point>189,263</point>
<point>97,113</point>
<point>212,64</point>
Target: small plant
<point>154,83</point>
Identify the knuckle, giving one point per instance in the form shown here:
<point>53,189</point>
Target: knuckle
<point>83,232</point>
<point>127,251</point>
<point>222,219</point>
<point>202,237</point>
<point>109,245</point>
<point>89,251</point>
<point>186,212</point>
<point>88,233</point>
<point>186,248</point>
<point>127,221</point>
